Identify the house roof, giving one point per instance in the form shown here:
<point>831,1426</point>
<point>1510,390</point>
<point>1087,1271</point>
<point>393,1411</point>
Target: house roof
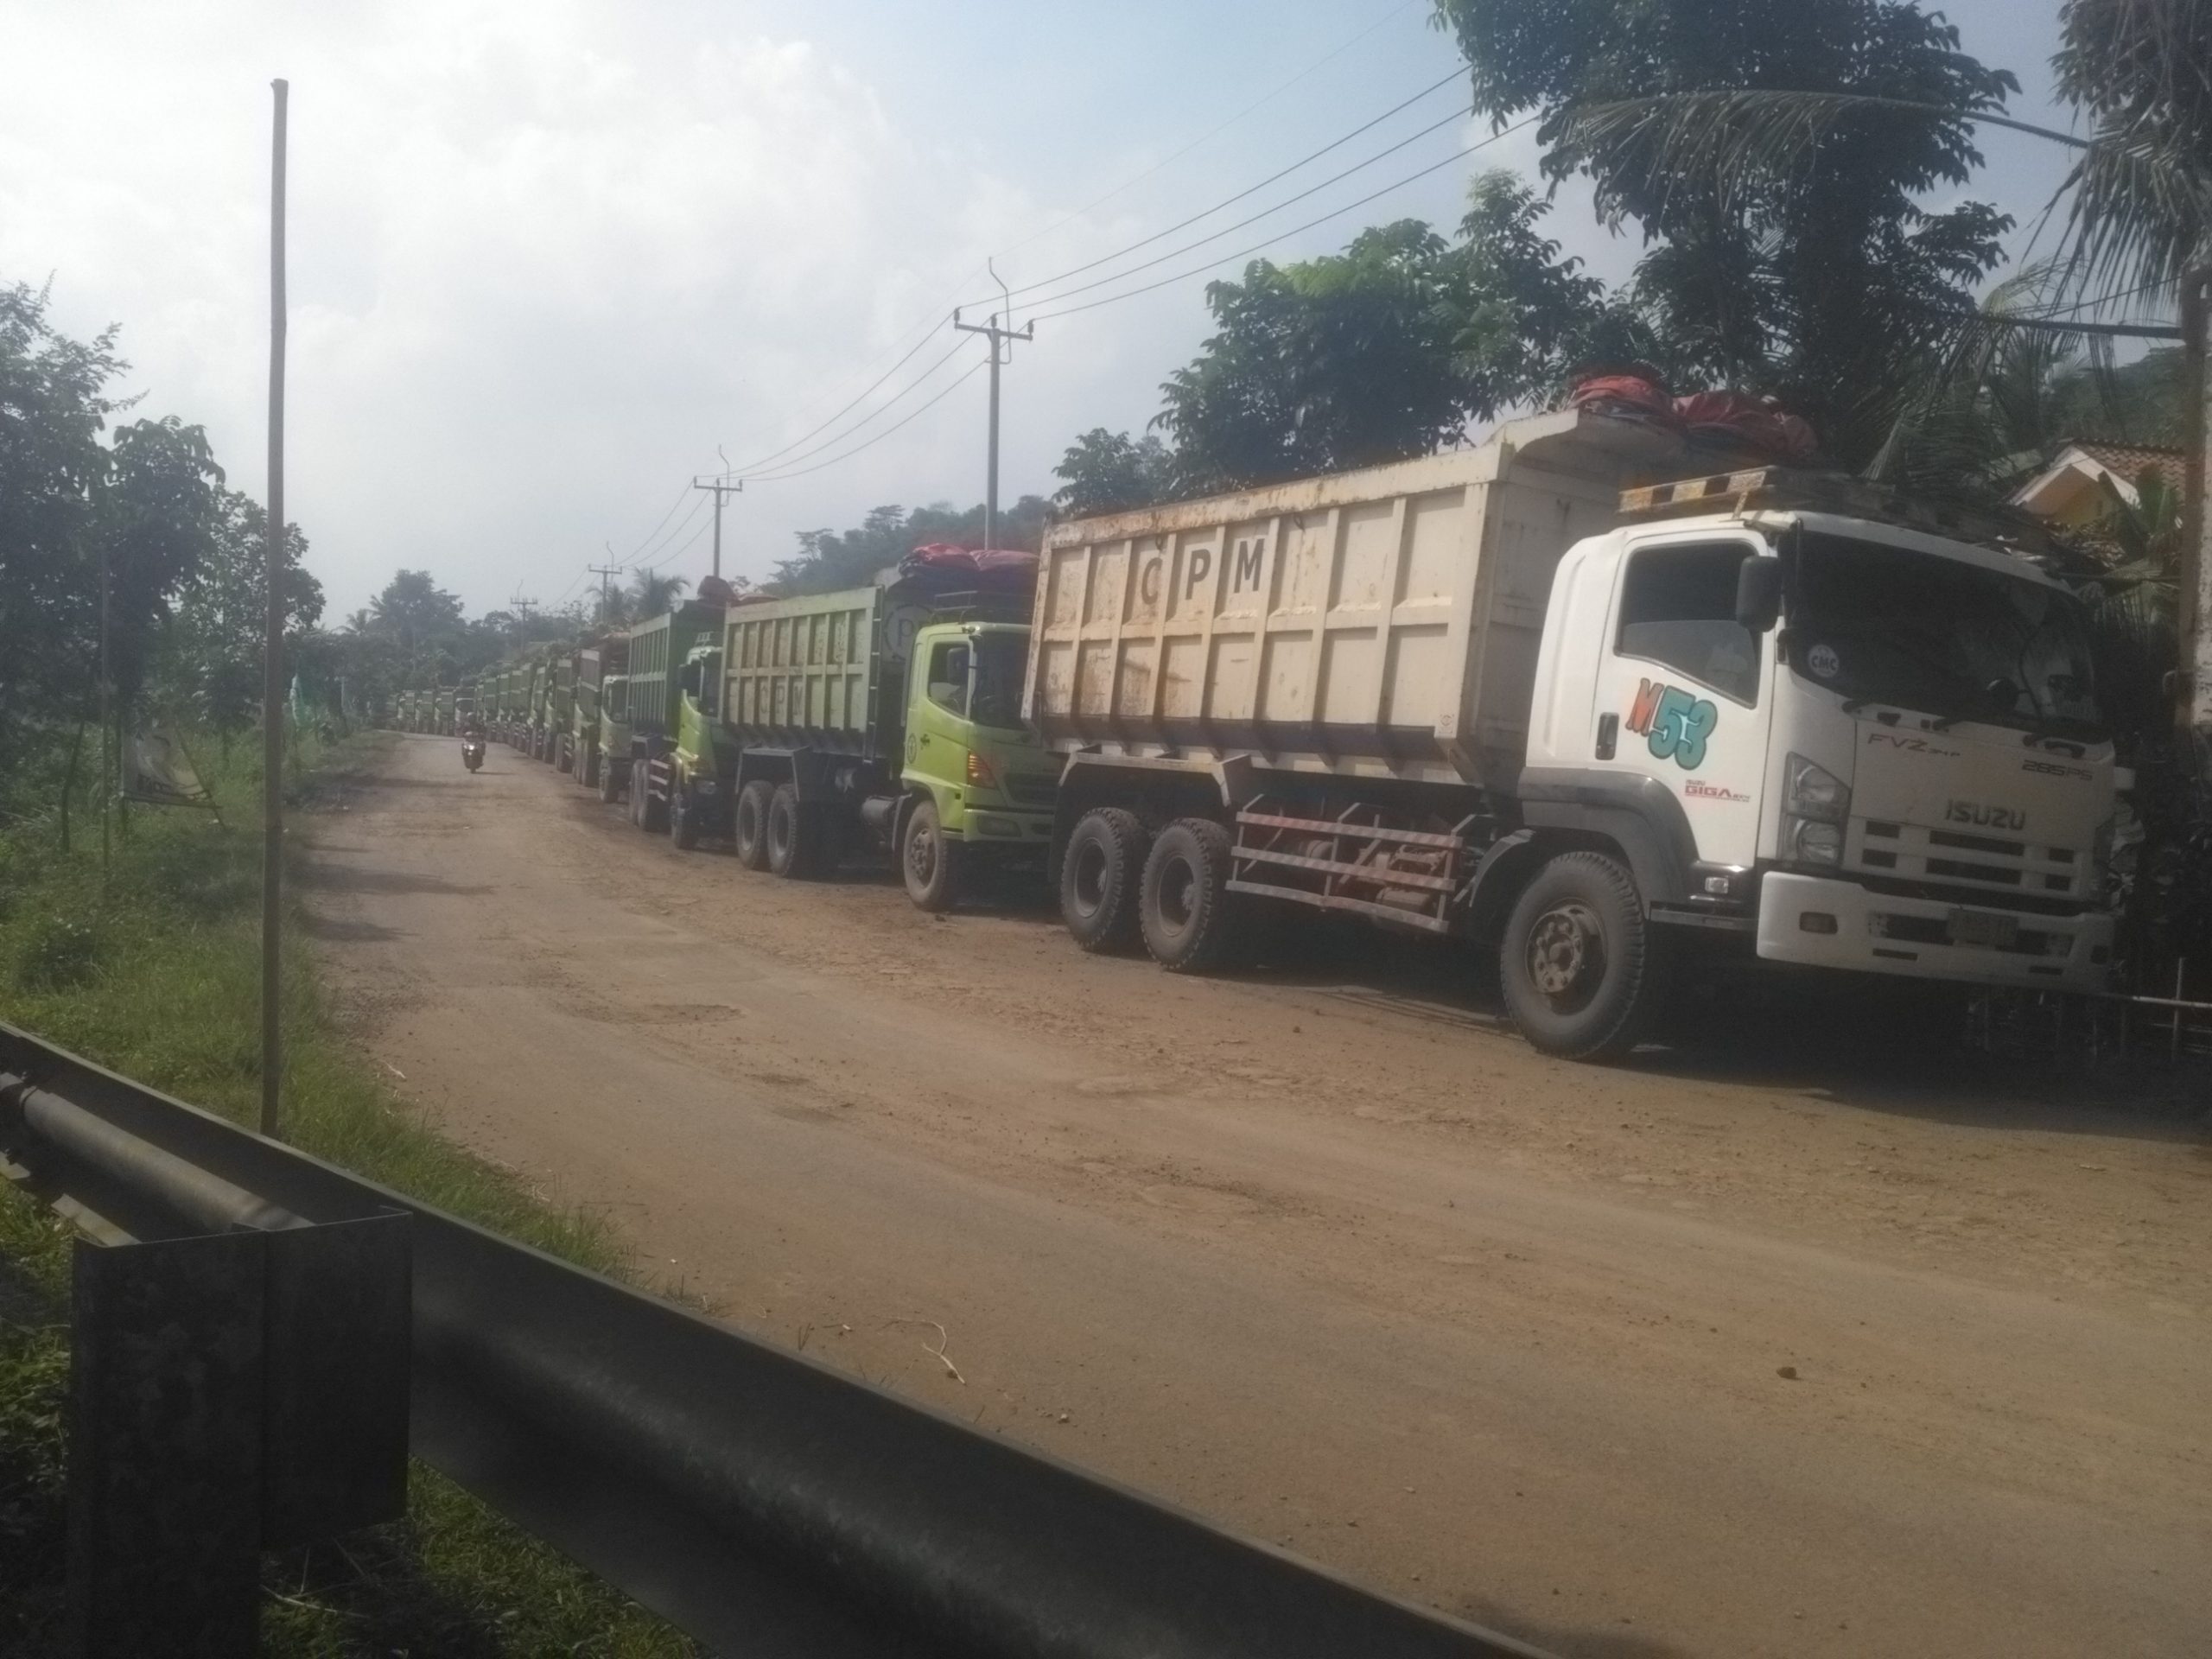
<point>2082,465</point>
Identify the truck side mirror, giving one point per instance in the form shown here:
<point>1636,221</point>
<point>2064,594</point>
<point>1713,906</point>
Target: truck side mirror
<point>1758,593</point>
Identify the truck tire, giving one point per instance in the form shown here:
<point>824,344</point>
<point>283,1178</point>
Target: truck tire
<point>790,849</point>
<point>683,816</point>
<point>637,793</point>
<point>749,829</point>
<point>930,863</point>
<point>1578,961</point>
<point>1188,915</point>
<point>652,814</point>
<point>1100,874</point>
<point>610,779</point>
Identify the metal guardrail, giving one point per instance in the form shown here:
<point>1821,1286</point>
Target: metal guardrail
<point>761,1502</point>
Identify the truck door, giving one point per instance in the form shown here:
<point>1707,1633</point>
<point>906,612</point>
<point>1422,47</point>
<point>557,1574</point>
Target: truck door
<point>936,711</point>
<point>1683,686</point>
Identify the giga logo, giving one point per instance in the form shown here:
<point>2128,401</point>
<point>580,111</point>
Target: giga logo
<point>1698,790</point>
<point>1984,816</point>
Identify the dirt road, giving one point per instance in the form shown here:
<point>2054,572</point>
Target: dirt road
<point>1801,1353</point>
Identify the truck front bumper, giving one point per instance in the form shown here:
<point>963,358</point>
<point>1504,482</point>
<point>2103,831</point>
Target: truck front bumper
<point>1828,922</point>
<point>999,828</point>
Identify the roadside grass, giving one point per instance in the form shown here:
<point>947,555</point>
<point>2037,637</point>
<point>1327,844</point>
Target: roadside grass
<point>153,970</point>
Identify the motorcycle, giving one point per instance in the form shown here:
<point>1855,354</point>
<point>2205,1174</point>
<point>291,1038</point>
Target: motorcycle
<point>471,752</point>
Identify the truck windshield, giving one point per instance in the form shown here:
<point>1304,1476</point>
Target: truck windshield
<point>1000,659</point>
<point>1890,625</point>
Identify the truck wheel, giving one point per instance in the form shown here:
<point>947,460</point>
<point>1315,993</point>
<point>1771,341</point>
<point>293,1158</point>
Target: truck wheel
<point>930,863</point>
<point>637,793</point>
<point>610,780</point>
<point>750,828</point>
<point>789,855</point>
<point>1100,875</point>
<point>1187,914</point>
<point>652,814</point>
<point>683,816</point>
<point>1578,962</point>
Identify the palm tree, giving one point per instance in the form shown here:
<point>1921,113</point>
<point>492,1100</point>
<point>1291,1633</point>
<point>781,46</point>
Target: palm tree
<point>651,594</point>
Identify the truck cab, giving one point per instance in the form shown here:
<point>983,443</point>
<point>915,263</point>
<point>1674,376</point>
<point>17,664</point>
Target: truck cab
<point>1859,743</point>
<point>609,769</point>
<point>703,758</point>
<point>977,782</point>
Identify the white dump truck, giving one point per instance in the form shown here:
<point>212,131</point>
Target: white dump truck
<point>1587,694</point>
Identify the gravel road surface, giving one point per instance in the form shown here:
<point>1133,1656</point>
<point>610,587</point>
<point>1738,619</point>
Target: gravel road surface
<point>1793,1339</point>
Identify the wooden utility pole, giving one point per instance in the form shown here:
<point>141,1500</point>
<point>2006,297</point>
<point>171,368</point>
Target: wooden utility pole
<point>721,486</point>
<point>1001,340</point>
<point>272,677</point>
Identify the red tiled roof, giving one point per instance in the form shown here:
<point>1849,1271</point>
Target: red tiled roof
<point>2131,460</point>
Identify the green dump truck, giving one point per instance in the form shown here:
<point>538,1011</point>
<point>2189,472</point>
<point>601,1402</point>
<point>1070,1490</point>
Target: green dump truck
<point>661,652</point>
<point>887,715</point>
<point>592,663</point>
<point>442,702</point>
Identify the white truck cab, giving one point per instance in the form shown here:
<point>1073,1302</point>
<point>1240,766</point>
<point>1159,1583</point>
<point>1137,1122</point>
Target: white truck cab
<point>1873,746</point>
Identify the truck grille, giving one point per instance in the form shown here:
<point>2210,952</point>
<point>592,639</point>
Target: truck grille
<point>1033,788</point>
<point>2014,875</point>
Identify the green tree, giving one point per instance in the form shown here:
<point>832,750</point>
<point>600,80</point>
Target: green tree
<point>1827,282</point>
<point>415,612</point>
<point>1111,472</point>
<point>651,594</point>
<point>829,560</point>
<point>212,652</point>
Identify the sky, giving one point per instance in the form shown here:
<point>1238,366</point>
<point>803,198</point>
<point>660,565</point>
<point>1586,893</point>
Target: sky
<point>550,260</point>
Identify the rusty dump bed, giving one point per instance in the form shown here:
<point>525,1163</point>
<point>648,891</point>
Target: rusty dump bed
<point>1382,622</point>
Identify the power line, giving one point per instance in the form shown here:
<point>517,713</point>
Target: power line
<point>1210,134</point>
<point>698,504</point>
<point>888,403</point>
<point>774,478</point>
<point>1254,219</point>
<point>1314,155</point>
<point>1231,259</point>
<point>914,352</point>
<point>928,325</point>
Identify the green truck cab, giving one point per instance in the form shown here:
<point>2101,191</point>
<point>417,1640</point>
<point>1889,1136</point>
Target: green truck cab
<point>549,703</point>
<point>661,651</point>
<point>610,764</point>
<point>890,715</point>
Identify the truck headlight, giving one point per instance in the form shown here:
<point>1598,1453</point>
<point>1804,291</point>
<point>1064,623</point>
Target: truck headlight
<point>1815,806</point>
<point>1814,793</point>
<point>1813,843</point>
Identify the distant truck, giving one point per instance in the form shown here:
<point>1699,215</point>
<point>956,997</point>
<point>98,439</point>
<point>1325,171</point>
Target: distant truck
<point>884,715</point>
<point>593,664</point>
<point>660,769</point>
<point>1503,693</point>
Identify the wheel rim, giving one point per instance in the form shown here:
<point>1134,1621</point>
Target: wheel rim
<point>921,855</point>
<point>1179,894</point>
<point>1566,955</point>
<point>1089,876</point>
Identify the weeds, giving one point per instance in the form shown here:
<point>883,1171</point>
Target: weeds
<point>152,967</point>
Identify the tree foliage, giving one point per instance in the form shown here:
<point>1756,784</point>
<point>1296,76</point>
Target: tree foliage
<point>828,560</point>
<point>1386,350</point>
<point>211,657</point>
<point>1825,277</point>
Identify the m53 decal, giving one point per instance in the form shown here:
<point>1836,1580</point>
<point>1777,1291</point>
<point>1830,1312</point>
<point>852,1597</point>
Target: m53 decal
<point>1673,724</point>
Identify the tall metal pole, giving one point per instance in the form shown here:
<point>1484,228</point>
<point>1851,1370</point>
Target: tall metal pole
<point>720,487</point>
<point>273,677</point>
<point>991,467</point>
<point>998,338</point>
<point>107,718</point>
<point>2193,689</point>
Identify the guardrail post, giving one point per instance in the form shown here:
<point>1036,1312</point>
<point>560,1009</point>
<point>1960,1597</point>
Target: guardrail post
<point>229,1393</point>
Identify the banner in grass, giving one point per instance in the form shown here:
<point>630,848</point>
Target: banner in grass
<point>156,770</point>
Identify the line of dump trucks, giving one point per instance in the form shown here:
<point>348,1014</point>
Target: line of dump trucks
<point>1585,696</point>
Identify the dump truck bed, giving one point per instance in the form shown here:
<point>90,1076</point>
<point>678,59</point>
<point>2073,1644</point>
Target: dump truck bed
<point>1381,622</point>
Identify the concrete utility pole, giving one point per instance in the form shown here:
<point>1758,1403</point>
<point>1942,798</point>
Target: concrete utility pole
<point>1000,338</point>
<point>272,675</point>
<point>721,485</point>
<point>604,572</point>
